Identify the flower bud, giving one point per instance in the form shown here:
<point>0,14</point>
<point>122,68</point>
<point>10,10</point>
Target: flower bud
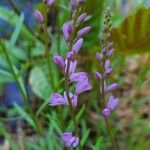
<point>84,31</point>
<point>59,61</point>
<point>107,64</point>
<point>70,55</point>
<point>69,140</point>
<point>105,50</point>
<point>112,87</point>
<point>99,56</point>
<point>81,18</point>
<point>110,53</point>
<point>39,16</point>
<point>73,4</point>
<point>77,46</point>
<point>98,75</point>
<point>67,29</point>
<point>108,71</point>
<point>106,112</point>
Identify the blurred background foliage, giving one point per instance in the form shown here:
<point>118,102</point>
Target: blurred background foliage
<point>22,44</point>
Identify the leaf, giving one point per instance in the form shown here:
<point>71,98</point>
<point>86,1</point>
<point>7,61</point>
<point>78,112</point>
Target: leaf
<point>39,83</point>
<point>42,107</point>
<point>11,17</point>
<point>85,137</point>
<point>27,117</point>
<point>5,76</point>
<point>24,69</point>
<point>133,35</point>
<point>21,82</point>
<point>15,35</point>
<point>94,21</point>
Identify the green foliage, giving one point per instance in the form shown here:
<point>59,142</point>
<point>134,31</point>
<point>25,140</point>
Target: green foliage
<point>132,36</point>
<point>39,83</point>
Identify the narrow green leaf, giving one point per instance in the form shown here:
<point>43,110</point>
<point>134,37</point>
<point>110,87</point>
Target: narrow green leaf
<point>24,114</point>
<point>78,116</point>
<point>17,30</point>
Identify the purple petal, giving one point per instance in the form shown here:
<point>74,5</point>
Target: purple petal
<point>39,16</point>
<point>57,99</point>
<point>73,4</point>
<point>112,103</point>
<point>77,46</point>
<point>81,18</point>
<point>82,87</point>
<point>59,61</point>
<point>98,75</point>
<point>67,30</point>
<point>106,112</point>
<point>73,66</point>
<point>110,53</point>
<point>70,140</point>
<point>107,64</point>
<point>84,31</point>
<point>112,87</point>
<point>70,55</point>
<point>78,77</point>
<point>108,71</point>
<point>99,56</point>
<point>75,142</point>
<point>105,50</point>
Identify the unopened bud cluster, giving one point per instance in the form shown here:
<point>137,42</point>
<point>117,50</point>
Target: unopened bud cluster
<point>106,70</point>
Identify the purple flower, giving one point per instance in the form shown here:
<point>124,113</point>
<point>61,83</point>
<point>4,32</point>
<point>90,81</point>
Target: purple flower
<point>78,77</point>
<point>112,103</point>
<point>51,2</point>
<point>59,61</point>
<point>73,4</point>
<point>112,87</point>
<point>84,31</point>
<point>99,56</point>
<point>81,18</point>
<point>82,87</point>
<point>57,99</point>
<point>39,16</point>
<point>73,66</point>
<point>107,64</point>
<point>77,46</point>
<point>98,75</point>
<point>74,99</point>
<point>70,55</point>
<point>69,140</point>
<point>110,53</point>
<point>108,71</point>
<point>105,50</point>
<point>67,29</point>
<point>106,112</point>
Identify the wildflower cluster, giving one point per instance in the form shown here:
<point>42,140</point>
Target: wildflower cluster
<point>104,60</point>
<point>68,66</point>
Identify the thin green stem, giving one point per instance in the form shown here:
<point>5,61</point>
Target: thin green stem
<point>112,139</point>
